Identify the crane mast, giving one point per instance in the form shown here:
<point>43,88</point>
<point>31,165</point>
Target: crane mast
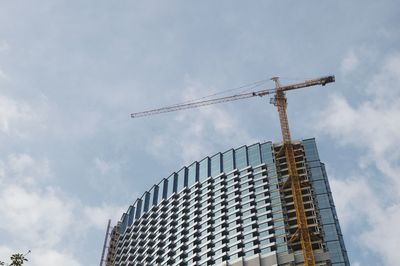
<point>293,181</point>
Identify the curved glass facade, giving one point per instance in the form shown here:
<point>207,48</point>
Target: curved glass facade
<point>223,208</point>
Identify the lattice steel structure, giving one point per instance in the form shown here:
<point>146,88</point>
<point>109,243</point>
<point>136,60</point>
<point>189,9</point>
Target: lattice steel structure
<point>232,209</point>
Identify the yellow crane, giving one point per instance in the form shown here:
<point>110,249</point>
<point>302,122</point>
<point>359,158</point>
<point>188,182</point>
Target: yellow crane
<point>293,181</point>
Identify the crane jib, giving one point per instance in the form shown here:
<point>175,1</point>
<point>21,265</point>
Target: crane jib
<point>194,104</point>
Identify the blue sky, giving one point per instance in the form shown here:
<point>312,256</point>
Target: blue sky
<point>71,72</point>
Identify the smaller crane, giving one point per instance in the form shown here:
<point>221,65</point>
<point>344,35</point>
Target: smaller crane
<point>105,243</point>
<point>293,181</point>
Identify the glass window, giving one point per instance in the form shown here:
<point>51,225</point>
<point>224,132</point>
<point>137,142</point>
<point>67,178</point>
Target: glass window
<point>157,196</point>
<point>260,189</point>
<point>279,223</point>
<point>275,194</point>
<point>319,186</point>
<point>146,202</point>
<point>254,154</point>
<point>216,164</point>
<point>241,157</point>
<point>218,260</point>
<point>314,164</point>
<point>246,214</point>
<point>326,216</point>
<point>259,182</point>
<point>264,249</point>
<point>280,231</point>
<point>228,161</point>
<point>335,252</point>
<point>182,179</point>
<point>262,218</point>
<point>234,256</point>
<point>246,206</point>
<point>193,173</point>
<point>316,173</point>
<point>266,153</point>
<point>246,220</point>
<point>230,189</point>
<point>131,213</point>
<point>165,189</point>
<point>175,183</point>
<point>138,208</point>
<point>248,246</point>
<point>230,178</point>
<point>278,215</point>
<point>310,149</point>
<point>323,201</point>
<point>330,232</point>
<point>281,249</point>
<point>172,184</point>
<point>204,169</point>
<point>258,176</point>
<point>263,234</point>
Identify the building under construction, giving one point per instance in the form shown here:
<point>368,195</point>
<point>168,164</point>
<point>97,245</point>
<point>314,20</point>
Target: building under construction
<point>264,204</point>
<point>229,209</point>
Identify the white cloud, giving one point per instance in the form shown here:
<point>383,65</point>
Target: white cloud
<point>375,122</point>
<point>31,217</point>
<point>99,215</point>
<point>349,194</point>
<point>106,167</point>
<point>359,205</point>
<point>370,199</point>
<point>384,84</point>
<point>359,59</point>
<point>25,169</point>
<point>42,218</point>
<point>384,230</point>
<point>10,110</point>
<point>350,62</point>
<point>15,117</point>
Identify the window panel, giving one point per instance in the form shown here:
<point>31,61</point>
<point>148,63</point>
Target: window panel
<point>266,153</point>
<point>241,157</point>
<point>182,179</point>
<point>228,163</point>
<point>216,165</point>
<point>193,174</point>
<point>204,167</point>
<point>254,154</point>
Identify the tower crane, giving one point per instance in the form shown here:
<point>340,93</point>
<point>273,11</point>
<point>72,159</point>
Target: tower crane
<point>293,181</point>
